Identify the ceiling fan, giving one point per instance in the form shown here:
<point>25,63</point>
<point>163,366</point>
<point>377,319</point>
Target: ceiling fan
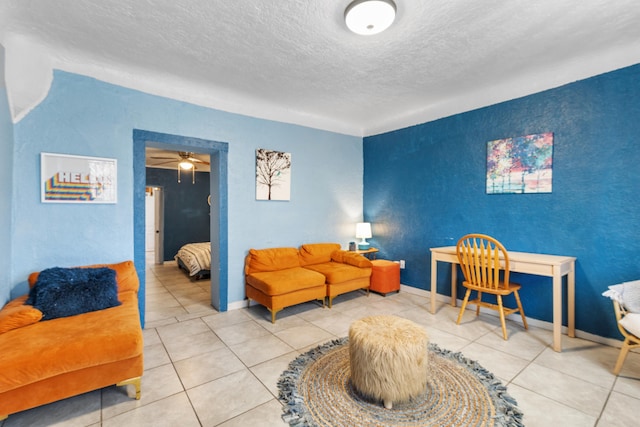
<point>186,160</point>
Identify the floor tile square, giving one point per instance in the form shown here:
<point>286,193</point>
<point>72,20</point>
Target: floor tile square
<point>261,349</point>
<point>228,397</point>
<point>266,415</point>
<point>174,410</point>
<point>301,336</point>
<point>207,367</point>
<point>563,388</point>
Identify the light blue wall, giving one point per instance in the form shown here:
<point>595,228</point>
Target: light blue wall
<point>425,187</point>
<point>84,116</point>
<point>6,187</point>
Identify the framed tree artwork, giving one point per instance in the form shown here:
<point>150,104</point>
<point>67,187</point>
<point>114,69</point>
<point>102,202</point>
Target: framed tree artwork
<point>273,175</point>
<point>520,165</point>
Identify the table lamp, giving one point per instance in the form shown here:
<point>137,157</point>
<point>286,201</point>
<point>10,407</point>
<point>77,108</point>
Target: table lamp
<point>363,231</point>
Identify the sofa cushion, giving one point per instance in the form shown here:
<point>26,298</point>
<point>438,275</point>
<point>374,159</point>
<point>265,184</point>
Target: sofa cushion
<point>337,272</point>
<point>284,281</point>
<point>15,314</point>
<point>63,292</point>
<point>272,259</point>
<point>316,253</point>
<point>351,258</point>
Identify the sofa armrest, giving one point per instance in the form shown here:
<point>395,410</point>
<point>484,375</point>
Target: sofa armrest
<point>351,258</point>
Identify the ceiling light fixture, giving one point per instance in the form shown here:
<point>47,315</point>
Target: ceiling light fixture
<point>186,165</point>
<point>368,17</point>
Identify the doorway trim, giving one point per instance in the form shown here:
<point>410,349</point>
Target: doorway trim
<point>218,153</point>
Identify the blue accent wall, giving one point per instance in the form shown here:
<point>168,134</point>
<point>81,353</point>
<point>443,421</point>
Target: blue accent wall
<point>186,212</point>
<point>6,186</point>
<point>424,186</point>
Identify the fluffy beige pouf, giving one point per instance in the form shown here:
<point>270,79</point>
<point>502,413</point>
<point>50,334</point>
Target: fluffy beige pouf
<point>388,357</point>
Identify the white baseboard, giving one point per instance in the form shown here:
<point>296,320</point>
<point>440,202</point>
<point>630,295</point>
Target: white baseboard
<point>516,318</point>
<point>236,305</point>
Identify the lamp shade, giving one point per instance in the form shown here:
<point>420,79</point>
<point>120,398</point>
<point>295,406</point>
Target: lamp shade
<point>368,17</point>
<point>363,230</point>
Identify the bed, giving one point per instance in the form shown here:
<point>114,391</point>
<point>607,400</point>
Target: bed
<point>195,259</point>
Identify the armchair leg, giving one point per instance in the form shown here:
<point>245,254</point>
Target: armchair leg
<point>273,315</point>
<point>622,356</point>
<point>136,382</point>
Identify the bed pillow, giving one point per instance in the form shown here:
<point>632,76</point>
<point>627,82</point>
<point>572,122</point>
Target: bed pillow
<point>16,315</point>
<point>63,292</point>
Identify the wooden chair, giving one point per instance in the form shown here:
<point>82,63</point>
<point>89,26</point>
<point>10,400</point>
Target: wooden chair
<point>630,340</point>
<point>482,258</point>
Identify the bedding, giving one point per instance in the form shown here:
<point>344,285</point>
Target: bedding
<point>195,259</point>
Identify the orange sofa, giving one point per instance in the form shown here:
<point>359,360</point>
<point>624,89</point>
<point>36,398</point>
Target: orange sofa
<point>281,277</point>
<point>45,361</point>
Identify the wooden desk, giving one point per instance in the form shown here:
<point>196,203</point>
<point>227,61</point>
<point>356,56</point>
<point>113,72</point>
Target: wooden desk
<point>555,266</point>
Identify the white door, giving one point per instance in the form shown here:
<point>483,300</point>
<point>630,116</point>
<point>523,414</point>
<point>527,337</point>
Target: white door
<point>149,221</point>
<point>159,224</point>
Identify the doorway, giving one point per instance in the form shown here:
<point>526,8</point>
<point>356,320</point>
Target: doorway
<point>154,224</point>
<point>217,152</point>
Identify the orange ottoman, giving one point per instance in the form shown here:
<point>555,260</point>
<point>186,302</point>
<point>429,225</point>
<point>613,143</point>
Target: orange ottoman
<point>385,276</point>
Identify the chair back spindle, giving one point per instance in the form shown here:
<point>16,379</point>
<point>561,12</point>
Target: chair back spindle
<point>482,258</point>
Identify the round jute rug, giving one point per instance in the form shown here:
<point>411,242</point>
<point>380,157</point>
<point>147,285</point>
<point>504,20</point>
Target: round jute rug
<point>316,391</point>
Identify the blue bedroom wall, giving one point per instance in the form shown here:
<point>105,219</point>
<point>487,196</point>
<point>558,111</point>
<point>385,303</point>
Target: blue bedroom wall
<point>6,186</point>
<point>186,212</point>
<point>425,187</point>
<point>84,116</point>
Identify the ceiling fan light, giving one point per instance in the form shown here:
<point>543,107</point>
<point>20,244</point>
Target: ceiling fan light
<point>186,165</point>
<point>368,17</point>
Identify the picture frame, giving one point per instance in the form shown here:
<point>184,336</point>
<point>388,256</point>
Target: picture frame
<point>67,178</point>
<point>273,175</point>
<point>520,165</point>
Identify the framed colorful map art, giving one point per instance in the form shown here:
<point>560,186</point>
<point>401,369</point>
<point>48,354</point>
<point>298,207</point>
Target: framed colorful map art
<point>520,165</point>
<point>66,178</point>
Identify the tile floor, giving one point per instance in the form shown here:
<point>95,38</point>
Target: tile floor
<point>204,368</point>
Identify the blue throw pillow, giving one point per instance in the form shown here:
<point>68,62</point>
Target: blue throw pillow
<point>62,292</point>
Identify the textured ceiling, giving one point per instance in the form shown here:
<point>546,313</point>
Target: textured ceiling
<point>295,61</point>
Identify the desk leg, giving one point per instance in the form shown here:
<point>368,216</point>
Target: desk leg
<point>557,310</point>
<point>434,285</point>
<point>571,301</point>
<point>454,285</point>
